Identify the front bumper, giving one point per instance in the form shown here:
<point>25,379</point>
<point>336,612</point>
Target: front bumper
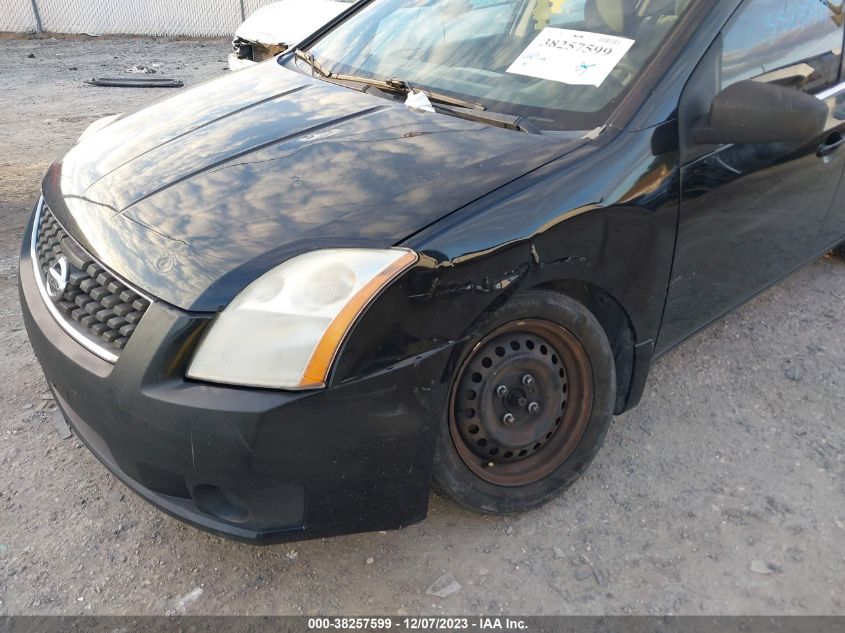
<point>254,465</point>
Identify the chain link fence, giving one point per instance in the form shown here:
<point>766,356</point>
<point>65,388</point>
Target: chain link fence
<point>197,18</point>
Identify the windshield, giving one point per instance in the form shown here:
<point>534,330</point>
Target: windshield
<point>564,64</point>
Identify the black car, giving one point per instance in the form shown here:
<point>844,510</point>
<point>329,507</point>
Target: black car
<point>437,243</point>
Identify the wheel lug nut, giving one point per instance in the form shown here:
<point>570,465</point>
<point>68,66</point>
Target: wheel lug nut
<point>501,391</point>
<point>508,419</point>
<point>533,407</point>
<point>528,380</point>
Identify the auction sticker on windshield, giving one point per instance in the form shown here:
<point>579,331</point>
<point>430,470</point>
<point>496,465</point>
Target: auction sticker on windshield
<point>572,57</point>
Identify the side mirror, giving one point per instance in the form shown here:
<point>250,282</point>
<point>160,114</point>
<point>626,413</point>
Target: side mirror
<point>750,112</point>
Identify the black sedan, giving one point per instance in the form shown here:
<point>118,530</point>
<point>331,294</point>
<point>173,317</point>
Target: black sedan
<point>438,243</point>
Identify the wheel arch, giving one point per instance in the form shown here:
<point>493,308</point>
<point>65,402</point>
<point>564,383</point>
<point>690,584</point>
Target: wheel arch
<point>615,322</point>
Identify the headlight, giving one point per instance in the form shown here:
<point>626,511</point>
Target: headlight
<point>284,330</point>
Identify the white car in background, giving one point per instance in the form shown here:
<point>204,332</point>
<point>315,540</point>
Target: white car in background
<point>274,28</point>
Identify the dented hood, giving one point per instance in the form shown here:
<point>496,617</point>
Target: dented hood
<point>194,197</point>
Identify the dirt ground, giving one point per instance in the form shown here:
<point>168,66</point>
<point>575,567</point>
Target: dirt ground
<point>723,493</point>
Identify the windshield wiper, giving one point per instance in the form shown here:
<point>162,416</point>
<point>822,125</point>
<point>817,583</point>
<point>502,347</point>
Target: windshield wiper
<point>452,105</point>
<point>496,119</point>
<point>316,67</point>
<point>390,85</point>
<point>403,87</point>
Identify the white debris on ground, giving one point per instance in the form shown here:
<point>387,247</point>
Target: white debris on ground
<point>189,598</point>
<point>444,586</point>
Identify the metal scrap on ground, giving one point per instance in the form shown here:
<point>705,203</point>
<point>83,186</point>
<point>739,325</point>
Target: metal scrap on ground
<point>134,82</point>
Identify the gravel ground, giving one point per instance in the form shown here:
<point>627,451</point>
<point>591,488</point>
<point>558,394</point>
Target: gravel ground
<point>723,493</point>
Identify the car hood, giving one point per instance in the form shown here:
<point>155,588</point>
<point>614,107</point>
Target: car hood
<point>194,197</point>
<point>289,22</point>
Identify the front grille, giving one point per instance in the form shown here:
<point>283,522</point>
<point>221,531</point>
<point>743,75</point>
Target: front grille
<point>102,309</point>
<point>263,52</point>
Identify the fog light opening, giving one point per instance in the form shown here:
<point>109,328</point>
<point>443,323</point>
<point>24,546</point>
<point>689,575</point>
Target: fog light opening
<point>219,503</point>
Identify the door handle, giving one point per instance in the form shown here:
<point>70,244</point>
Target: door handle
<point>831,145</point>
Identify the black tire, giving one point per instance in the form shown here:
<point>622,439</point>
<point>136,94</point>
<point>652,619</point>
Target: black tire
<point>514,485</point>
<point>840,251</point>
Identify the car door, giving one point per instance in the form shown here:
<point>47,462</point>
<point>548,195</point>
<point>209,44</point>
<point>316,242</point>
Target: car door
<point>833,231</point>
<point>751,213</point>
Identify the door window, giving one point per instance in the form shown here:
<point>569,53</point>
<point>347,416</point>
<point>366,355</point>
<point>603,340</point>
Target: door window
<point>791,42</point>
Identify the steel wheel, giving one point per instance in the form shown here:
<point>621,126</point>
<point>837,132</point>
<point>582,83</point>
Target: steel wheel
<point>521,402</point>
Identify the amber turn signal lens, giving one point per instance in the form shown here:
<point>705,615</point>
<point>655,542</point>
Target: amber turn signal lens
<point>317,372</point>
